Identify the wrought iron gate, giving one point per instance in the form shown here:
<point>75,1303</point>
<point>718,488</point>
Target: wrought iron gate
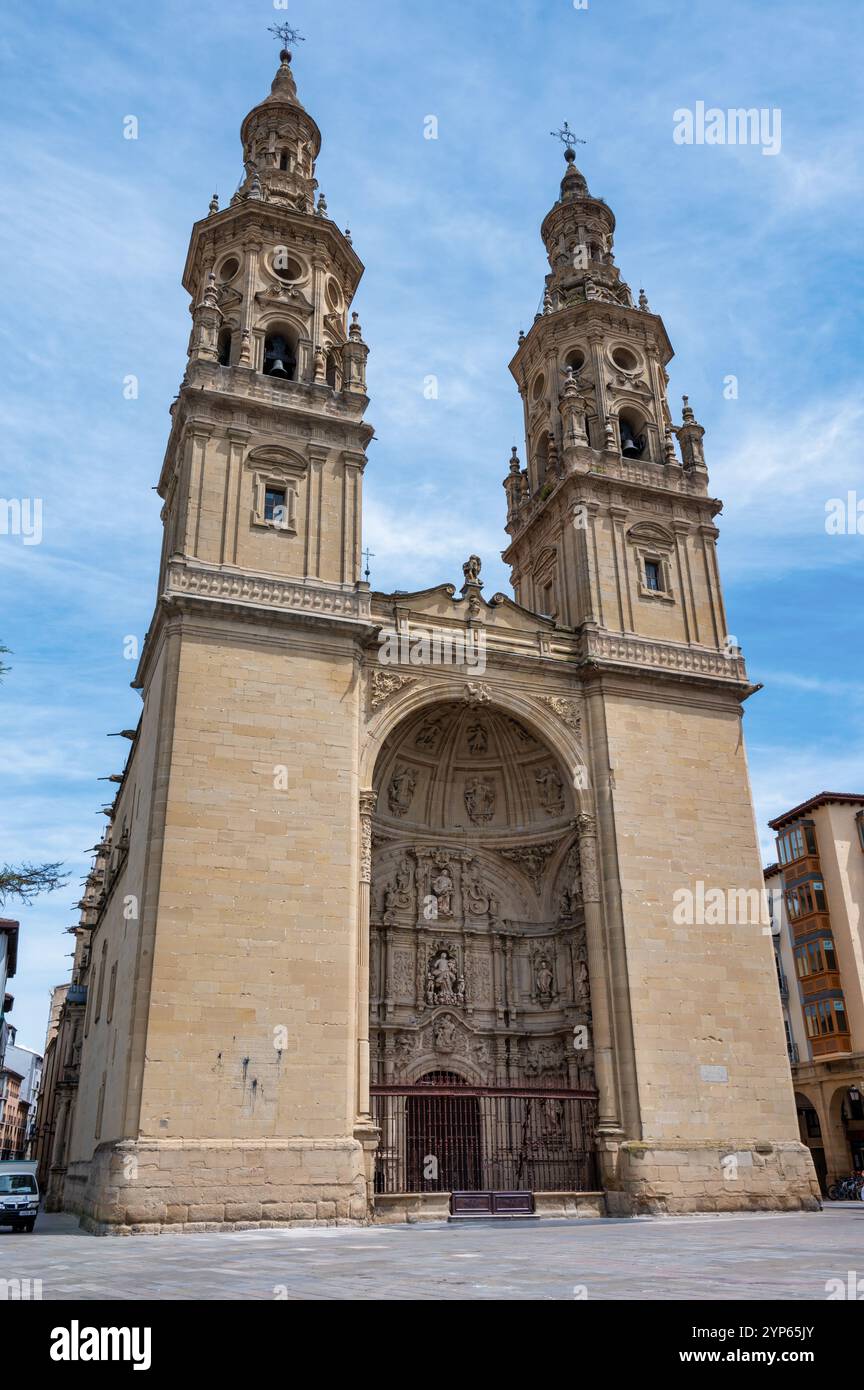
<point>442,1135</point>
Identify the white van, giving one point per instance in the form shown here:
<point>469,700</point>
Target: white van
<point>19,1194</point>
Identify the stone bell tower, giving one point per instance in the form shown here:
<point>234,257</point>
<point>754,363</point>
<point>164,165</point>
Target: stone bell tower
<point>277,488</point>
<point>220,1078</point>
<point>612,535</point>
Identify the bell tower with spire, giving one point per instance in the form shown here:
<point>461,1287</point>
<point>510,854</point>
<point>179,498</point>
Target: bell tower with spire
<point>612,537</point>
<point>230,1042</point>
<point>610,520</point>
<point>264,466</point>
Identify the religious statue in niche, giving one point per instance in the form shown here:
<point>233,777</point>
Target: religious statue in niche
<point>551,790</point>
<point>478,900</point>
<point>570,897</point>
<point>444,984</point>
<point>401,789</point>
<point>442,887</point>
<point>480,800</point>
<point>478,739</point>
<point>581,982</point>
<point>397,894</point>
<point>544,980</point>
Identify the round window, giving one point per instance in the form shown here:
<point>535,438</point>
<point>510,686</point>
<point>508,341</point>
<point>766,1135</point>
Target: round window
<point>537,388</point>
<point>228,269</point>
<point>575,360</point>
<point>625,359</point>
<point>334,296</point>
<point>285,266</point>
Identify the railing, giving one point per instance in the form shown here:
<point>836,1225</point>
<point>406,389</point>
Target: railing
<point>445,1137</point>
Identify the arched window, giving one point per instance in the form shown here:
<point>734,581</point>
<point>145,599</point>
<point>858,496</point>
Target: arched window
<point>283,160</point>
<point>280,354</point>
<point>333,369</point>
<point>224,347</point>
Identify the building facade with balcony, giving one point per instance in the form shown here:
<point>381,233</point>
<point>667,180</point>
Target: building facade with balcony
<point>817,888</point>
<point>8,963</point>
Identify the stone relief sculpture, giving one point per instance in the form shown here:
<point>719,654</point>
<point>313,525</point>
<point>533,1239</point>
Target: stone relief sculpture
<point>398,893</point>
<point>384,684</point>
<point>551,790</point>
<point>429,734</point>
<point>480,800</point>
<point>401,789</point>
<point>570,893</point>
<point>445,1034</point>
<point>532,860</point>
<point>478,738</point>
<point>477,897</point>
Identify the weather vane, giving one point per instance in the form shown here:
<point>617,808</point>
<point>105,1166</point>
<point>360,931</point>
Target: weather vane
<point>567,138</point>
<point>286,34</point>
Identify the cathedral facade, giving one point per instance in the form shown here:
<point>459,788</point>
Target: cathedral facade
<point>386,909</point>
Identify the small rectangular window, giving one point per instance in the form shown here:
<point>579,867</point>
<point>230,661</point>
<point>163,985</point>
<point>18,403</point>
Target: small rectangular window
<point>828,952</point>
<point>653,577</point>
<point>819,895</point>
<point>811,839</point>
<point>274,497</point>
<point>840,1014</point>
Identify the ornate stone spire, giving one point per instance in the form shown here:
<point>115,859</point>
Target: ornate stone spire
<point>578,234</point>
<point>281,143</point>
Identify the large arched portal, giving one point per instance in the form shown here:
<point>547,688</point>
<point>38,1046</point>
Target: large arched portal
<point>480,1011</point>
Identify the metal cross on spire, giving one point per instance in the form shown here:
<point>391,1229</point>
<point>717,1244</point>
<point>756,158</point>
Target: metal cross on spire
<point>285,34</point>
<point>567,138</point>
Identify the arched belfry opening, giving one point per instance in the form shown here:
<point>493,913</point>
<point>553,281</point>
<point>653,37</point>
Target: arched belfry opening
<point>480,1010</point>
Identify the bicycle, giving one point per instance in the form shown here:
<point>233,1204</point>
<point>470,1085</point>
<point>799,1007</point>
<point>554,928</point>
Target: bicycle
<point>849,1189</point>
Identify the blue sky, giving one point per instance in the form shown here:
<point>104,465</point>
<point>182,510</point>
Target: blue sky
<point>753,262</point>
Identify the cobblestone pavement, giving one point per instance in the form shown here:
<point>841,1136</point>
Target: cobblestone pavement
<point>771,1256</point>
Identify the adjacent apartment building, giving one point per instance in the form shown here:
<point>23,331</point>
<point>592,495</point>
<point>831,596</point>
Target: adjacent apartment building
<point>8,963</point>
<point>20,1077</point>
<point>817,888</point>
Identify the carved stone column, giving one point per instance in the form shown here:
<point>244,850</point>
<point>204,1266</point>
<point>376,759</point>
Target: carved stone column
<point>367,806</point>
<point>365,1129</point>
<point>509,990</point>
<point>598,972</point>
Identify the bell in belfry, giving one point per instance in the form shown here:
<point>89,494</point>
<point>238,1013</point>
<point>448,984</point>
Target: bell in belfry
<point>278,358</point>
<point>631,447</point>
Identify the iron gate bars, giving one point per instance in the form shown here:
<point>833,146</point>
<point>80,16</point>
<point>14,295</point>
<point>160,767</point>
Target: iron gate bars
<point>441,1135</point>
